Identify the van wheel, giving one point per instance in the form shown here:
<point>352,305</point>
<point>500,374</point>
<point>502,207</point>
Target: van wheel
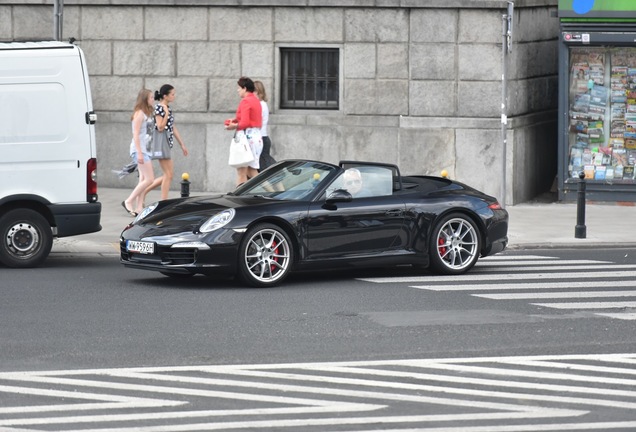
<point>26,238</point>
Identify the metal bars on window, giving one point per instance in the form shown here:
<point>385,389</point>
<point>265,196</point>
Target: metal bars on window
<point>309,78</point>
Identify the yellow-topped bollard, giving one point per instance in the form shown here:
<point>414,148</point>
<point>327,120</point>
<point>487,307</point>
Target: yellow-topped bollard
<point>444,173</point>
<point>185,185</point>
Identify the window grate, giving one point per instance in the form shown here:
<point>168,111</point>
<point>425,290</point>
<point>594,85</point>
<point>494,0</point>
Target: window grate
<point>310,78</point>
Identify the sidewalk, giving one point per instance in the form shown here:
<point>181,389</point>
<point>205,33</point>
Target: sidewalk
<point>533,225</point>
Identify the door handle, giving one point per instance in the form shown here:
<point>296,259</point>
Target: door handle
<point>394,212</point>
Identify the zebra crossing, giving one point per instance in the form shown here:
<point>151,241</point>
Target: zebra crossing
<point>602,288</point>
<point>478,394</point>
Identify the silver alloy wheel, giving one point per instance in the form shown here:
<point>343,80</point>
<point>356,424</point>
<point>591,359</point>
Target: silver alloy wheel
<point>457,244</point>
<point>267,255</point>
<point>23,240</point>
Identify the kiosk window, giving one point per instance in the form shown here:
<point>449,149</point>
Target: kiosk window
<point>602,114</point>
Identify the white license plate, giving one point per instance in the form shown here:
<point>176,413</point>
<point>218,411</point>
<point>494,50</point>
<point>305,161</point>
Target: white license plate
<point>140,247</point>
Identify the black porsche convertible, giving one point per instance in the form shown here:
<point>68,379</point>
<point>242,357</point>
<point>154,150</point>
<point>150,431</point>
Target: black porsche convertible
<point>310,215</point>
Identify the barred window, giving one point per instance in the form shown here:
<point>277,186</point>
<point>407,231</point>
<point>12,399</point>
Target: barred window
<point>309,78</point>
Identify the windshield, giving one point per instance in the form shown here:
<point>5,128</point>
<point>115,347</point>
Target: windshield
<point>291,180</point>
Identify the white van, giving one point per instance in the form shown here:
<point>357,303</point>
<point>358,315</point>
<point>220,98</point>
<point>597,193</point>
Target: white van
<point>47,150</point>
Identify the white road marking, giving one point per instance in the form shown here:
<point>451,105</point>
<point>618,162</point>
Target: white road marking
<point>557,295</point>
<point>589,305</point>
<point>509,273</point>
<point>473,276</point>
<point>515,257</point>
<point>552,262</point>
<point>618,315</point>
<point>474,395</point>
<point>525,286</point>
<point>509,267</point>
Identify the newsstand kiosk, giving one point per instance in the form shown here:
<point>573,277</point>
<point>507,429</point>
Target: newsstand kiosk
<point>597,99</point>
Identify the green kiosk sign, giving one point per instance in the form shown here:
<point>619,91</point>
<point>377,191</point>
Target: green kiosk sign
<point>609,10</point>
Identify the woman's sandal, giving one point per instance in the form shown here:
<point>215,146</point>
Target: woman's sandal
<point>130,212</point>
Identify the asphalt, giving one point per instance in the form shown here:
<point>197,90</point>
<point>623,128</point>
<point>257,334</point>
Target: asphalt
<point>532,225</point>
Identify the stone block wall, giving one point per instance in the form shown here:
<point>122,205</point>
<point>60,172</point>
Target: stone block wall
<point>420,84</point>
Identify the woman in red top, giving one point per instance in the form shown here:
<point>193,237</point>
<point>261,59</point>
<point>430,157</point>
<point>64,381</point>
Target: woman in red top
<point>248,121</point>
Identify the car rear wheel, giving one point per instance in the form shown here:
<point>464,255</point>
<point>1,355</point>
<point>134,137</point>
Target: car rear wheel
<point>265,256</point>
<point>454,245</point>
<point>26,238</point>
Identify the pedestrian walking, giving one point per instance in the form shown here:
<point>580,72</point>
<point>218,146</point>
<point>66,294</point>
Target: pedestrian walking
<point>164,120</point>
<point>248,121</point>
<point>142,126</point>
<point>265,159</point>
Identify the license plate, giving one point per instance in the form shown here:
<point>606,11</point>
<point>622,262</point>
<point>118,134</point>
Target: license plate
<point>141,247</point>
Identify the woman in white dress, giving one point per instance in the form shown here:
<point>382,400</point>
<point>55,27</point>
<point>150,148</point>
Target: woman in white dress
<point>265,159</point>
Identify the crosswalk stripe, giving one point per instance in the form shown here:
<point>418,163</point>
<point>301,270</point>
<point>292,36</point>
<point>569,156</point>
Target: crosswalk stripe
<point>553,267</point>
<point>618,315</point>
<point>589,305</point>
<point>516,257</point>
<point>469,277</point>
<point>557,295</point>
<point>501,263</point>
<point>524,286</point>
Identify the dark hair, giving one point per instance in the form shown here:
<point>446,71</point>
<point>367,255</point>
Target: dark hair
<point>164,90</point>
<point>246,83</point>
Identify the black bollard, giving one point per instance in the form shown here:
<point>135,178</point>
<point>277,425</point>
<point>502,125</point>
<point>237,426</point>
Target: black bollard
<point>185,185</point>
<point>580,229</point>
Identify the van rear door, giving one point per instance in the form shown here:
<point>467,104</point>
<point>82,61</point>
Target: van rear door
<point>47,140</point>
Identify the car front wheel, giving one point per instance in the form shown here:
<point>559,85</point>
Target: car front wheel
<point>455,244</point>
<point>26,238</point>
<point>265,256</point>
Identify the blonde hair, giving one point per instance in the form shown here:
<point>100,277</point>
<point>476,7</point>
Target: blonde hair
<point>142,103</point>
<point>260,90</point>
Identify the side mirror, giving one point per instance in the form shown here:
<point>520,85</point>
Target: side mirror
<point>339,195</point>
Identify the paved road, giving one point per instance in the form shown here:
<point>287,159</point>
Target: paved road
<point>534,341</point>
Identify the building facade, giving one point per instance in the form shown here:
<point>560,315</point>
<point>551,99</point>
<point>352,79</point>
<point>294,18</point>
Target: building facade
<point>428,85</point>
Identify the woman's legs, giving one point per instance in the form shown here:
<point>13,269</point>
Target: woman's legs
<point>251,172</point>
<point>167,166</point>
<point>241,175</point>
<point>146,176</point>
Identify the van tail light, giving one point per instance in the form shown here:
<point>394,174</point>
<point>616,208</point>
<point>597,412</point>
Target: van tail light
<point>91,180</point>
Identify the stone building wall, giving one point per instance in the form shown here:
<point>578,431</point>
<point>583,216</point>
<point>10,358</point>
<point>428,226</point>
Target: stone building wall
<point>421,84</point>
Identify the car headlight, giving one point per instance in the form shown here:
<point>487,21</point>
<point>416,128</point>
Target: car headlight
<point>218,220</point>
<point>145,212</point>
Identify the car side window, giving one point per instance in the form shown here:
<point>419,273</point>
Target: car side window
<point>364,182</point>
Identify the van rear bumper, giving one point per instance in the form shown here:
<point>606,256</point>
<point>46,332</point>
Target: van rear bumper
<point>73,219</point>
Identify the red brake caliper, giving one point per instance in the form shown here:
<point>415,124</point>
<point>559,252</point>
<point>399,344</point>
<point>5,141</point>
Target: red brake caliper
<point>440,242</point>
<point>272,266</point>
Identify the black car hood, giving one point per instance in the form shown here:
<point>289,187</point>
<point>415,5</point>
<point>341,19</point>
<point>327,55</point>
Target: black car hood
<point>187,214</point>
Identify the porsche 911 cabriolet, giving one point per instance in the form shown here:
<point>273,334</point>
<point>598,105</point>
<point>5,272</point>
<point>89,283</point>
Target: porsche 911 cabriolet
<point>308,215</point>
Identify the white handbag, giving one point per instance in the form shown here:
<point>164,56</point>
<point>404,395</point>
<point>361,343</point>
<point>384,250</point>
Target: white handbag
<point>240,152</point>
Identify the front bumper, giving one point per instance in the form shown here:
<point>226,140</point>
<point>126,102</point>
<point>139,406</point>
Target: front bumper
<point>217,252</point>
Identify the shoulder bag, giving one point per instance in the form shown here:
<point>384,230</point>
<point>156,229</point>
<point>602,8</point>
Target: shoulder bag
<point>240,152</point>
<point>159,146</point>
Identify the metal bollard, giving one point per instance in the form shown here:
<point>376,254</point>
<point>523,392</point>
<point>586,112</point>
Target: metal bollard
<point>580,231</point>
<point>185,185</point>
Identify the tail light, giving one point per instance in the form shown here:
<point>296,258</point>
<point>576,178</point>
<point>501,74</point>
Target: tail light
<point>91,180</point>
<point>494,206</point>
